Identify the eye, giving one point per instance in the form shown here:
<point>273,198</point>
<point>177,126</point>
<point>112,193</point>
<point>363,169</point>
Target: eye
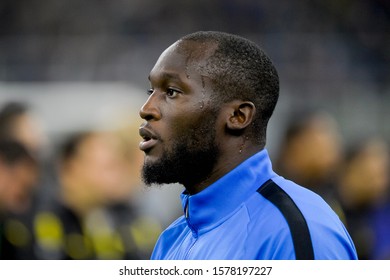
<point>150,91</point>
<point>172,93</point>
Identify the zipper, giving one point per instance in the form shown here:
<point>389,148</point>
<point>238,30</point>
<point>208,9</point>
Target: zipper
<point>190,249</point>
<point>193,231</point>
<point>187,216</point>
<point>186,209</point>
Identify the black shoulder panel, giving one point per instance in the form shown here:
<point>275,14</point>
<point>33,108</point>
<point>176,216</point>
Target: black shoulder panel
<point>297,223</point>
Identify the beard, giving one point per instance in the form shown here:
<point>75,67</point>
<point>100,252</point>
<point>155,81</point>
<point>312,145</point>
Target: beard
<point>190,159</point>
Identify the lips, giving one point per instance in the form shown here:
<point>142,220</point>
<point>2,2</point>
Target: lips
<point>149,139</point>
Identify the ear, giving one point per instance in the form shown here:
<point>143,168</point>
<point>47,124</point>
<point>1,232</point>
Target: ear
<point>241,115</point>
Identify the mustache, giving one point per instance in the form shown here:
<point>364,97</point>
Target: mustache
<point>146,132</point>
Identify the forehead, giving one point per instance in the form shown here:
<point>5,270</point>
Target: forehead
<point>184,56</point>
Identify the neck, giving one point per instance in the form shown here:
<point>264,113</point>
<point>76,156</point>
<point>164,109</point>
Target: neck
<point>226,163</point>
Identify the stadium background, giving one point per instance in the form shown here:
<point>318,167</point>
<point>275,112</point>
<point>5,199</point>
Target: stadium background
<point>83,64</point>
<point>333,54</point>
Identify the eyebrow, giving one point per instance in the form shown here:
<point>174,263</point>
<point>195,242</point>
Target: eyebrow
<point>168,76</point>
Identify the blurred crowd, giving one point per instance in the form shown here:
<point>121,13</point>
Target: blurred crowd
<point>79,202</point>
<point>353,177</point>
<point>82,201</point>
<point>70,40</point>
<point>79,198</point>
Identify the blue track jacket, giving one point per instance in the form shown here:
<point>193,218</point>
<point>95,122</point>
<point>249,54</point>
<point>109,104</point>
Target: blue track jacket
<point>252,213</point>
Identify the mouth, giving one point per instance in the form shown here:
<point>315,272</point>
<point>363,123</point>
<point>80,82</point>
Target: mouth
<point>149,140</point>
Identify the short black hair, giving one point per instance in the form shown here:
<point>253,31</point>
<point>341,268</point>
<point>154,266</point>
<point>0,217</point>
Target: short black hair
<point>69,148</point>
<point>8,113</point>
<point>13,152</point>
<point>240,69</point>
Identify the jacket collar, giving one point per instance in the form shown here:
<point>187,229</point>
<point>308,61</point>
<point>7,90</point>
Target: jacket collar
<point>217,202</point>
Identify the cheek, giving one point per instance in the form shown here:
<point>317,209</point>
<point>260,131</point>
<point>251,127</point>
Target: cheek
<point>175,124</point>
<point>186,127</point>
<point>187,121</point>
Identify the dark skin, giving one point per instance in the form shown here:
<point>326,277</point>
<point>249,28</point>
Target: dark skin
<point>179,99</point>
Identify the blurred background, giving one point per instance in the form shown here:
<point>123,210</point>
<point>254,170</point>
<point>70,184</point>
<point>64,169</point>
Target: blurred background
<point>83,66</point>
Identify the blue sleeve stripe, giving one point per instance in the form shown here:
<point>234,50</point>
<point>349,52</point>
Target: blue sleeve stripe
<point>298,226</point>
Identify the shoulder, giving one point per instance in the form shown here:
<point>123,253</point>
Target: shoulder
<point>286,205</point>
<point>173,231</point>
<point>312,206</point>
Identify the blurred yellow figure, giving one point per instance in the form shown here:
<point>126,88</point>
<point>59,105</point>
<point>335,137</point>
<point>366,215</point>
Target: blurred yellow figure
<point>95,216</point>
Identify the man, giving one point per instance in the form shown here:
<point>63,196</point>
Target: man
<point>210,100</point>
<point>310,154</point>
<point>19,174</point>
<point>19,122</point>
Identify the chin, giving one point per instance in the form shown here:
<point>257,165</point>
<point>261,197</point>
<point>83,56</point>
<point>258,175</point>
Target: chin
<point>151,160</point>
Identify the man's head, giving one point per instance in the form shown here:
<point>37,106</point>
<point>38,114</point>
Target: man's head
<point>93,170</point>
<point>238,70</point>
<point>18,176</point>
<point>18,121</point>
<point>211,97</point>
<point>311,149</point>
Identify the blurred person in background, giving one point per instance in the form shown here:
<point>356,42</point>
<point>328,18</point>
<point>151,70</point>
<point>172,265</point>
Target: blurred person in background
<point>93,216</point>
<point>363,191</point>
<point>18,122</point>
<point>19,175</point>
<point>19,125</point>
<point>159,203</point>
<point>311,152</point>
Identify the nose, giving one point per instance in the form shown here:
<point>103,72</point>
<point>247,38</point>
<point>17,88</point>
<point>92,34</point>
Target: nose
<point>150,110</point>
